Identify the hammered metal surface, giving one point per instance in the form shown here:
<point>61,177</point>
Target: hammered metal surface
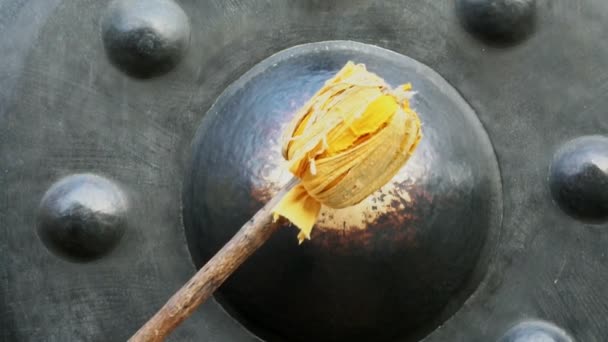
<point>65,109</point>
<point>392,267</point>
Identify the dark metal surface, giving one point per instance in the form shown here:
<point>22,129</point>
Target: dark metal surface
<point>579,178</point>
<point>145,38</point>
<point>66,109</point>
<point>82,217</point>
<point>500,22</point>
<point>392,267</point>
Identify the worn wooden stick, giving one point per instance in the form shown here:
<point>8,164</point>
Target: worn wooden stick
<point>201,286</point>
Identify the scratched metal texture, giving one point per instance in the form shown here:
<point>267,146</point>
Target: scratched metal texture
<point>65,109</point>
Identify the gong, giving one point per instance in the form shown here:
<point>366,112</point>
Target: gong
<point>137,136</point>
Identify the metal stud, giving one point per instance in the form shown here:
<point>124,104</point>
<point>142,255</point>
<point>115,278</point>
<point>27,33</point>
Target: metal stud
<point>498,21</point>
<point>82,217</point>
<point>579,178</point>
<point>145,38</point>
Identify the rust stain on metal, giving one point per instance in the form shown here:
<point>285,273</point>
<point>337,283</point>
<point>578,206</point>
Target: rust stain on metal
<point>387,219</point>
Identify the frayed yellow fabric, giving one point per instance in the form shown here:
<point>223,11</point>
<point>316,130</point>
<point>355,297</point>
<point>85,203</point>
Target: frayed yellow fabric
<point>346,142</point>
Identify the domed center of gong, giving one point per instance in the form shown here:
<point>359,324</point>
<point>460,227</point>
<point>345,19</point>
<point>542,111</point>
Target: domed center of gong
<point>394,266</point>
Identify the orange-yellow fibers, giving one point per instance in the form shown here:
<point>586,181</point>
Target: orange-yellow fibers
<point>346,142</point>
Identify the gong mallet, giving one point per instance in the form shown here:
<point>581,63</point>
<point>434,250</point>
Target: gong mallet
<point>345,143</point>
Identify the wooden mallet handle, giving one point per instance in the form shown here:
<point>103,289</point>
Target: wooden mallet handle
<point>201,286</point>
